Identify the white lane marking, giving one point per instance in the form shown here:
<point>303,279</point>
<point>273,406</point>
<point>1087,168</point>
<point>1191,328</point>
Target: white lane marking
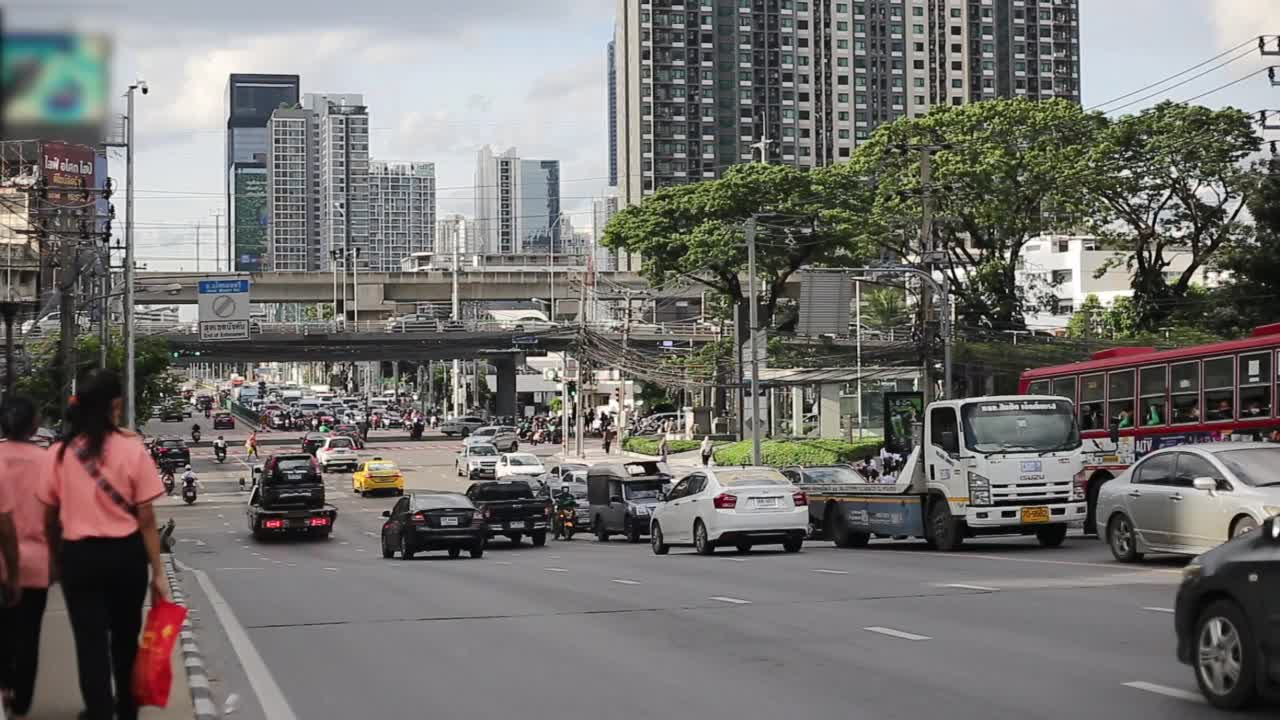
<point>243,568</point>
<point>626,582</point>
<point>896,633</point>
<point>735,559</point>
<point>555,569</point>
<point>370,533</point>
<point>1159,609</point>
<point>962,586</point>
<point>332,569</point>
<point>345,542</point>
<point>1166,691</point>
<point>221,515</point>
<point>270,697</point>
<point>1009,558</point>
<point>830,572</point>
<point>501,562</point>
<point>555,557</point>
<point>360,549</point>
<point>730,600</point>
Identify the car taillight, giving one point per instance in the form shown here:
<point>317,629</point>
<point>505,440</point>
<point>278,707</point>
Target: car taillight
<point>546,510</point>
<point>487,513</point>
<point>273,524</point>
<point>800,498</point>
<point>319,521</point>
<point>419,517</point>
<point>725,501</point>
<point>477,518</point>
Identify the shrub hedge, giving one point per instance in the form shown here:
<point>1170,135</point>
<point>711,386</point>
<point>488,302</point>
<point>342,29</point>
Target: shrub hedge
<point>797,452</point>
<point>649,445</point>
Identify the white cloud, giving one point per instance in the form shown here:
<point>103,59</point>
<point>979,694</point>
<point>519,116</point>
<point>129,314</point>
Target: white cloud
<point>1235,21</point>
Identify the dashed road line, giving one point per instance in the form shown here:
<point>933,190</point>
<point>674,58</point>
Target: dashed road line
<point>901,635</point>
<point>730,600</point>
<point>1165,690</point>
<point>735,559</point>
<point>626,582</point>
<point>555,569</point>
<point>978,588</point>
<point>332,569</point>
<point>825,571</point>
<point>501,562</point>
<point>1159,609</point>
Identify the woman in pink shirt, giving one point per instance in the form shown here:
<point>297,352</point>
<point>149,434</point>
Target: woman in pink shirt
<point>98,484</point>
<point>20,464</point>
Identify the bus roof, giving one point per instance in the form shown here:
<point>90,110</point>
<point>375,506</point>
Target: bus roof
<point>1263,338</point>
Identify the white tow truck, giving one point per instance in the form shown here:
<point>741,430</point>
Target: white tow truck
<point>1002,465</point>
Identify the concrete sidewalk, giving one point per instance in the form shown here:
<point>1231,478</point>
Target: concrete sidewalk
<point>58,686</point>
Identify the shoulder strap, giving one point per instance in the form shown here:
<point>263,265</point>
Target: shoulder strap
<point>90,465</point>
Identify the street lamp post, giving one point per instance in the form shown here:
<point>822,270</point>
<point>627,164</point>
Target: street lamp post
<point>355,288</point>
<point>9,310</point>
<point>130,377</point>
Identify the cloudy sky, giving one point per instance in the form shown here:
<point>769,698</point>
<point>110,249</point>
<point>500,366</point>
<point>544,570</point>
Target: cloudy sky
<point>443,77</point>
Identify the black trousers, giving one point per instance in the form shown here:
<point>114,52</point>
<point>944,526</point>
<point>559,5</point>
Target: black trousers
<point>20,646</point>
<point>105,582</point>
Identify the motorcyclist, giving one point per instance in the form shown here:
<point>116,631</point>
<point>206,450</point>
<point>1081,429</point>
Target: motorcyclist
<point>189,477</point>
<point>566,503</point>
<point>220,447</point>
<point>195,430</point>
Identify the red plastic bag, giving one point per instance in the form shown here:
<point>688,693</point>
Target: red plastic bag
<point>153,671</point>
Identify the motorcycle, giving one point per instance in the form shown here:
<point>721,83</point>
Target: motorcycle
<point>195,436</point>
<point>167,478</point>
<point>566,522</point>
<point>416,432</point>
<point>189,492</point>
<point>220,453</point>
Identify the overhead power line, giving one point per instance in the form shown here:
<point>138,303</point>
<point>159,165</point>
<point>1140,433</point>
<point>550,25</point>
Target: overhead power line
<point>1175,76</point>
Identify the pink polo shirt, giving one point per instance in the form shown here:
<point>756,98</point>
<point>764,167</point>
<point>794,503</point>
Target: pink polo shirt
<point>85,510</point>
<point>20,466</point>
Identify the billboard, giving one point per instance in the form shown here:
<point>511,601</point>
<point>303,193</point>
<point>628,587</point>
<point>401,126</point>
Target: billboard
<point>68,171</point>
<point>902,410</point>
<point>55,85</point>
<point>249,234</point>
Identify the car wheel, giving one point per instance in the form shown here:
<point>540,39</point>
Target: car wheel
<point>477,550</point>
<point>1122,539</point>
<point>701,542</point>
<point>1226,656</point>
<point>455,552</point>
<point>386,551</point>
<point>1052,535</point>
<point>406,552</point>
<point>602,535</point>
<point>793,544</point>
<point>1243,525</point>
<point>656,541</point>
<point>539,538</point>
<point>946,532</point>
<point>743,546</point>
<point>841,535</point>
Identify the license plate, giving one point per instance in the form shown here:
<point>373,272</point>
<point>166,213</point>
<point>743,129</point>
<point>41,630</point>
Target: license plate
<point>766,502</point>
<point>517,524</point>
<point>448,521</point>
<point>1035,514</point>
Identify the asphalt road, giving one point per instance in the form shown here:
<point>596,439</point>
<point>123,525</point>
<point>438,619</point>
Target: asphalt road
<point>329,629</point>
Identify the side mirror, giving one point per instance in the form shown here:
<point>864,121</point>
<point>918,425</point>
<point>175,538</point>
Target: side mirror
<point>615,499</point>
<point>1115,433</point>
<point>386,513</point>
<point>1207,484</point>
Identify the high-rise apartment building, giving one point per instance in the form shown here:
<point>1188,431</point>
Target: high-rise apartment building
<point>611,79</point>
<point>602,210</point>
<point>340,179</point>
<point>250,100</point>
<point>402,212</point>
<point>290,165</point>
<point>517,204</point>
<point>454,231</point>
<point>705,84</point>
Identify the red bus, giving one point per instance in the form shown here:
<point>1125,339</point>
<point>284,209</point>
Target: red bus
<point>1155,399</point>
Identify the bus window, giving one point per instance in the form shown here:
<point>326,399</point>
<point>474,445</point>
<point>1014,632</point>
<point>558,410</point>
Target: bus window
<point>1219,389</point>
<point>1120,392</point>
<point>1039,387</point>
<point>1092,395</point>
<point>1255,386</point>
<point>1185,391</point>
<point>1065,387</point>
<point>1154,407</point>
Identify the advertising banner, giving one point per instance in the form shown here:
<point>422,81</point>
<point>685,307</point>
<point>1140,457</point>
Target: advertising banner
<point>56,85</point>
<point>902,410</point>
<point>251,219</point>
<point>68,170</point>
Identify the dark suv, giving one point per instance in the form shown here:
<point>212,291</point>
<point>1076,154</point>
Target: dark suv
<point>1228,618</point>
<point>171,450</point>
<point>311,442</point>
<point>291,480</point>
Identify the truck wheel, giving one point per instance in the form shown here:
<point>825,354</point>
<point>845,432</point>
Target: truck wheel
<point>1051,536</point>
<point>946,532</point>
<point>842,536</point>
<point>631,530</point>
<point>656,542</point>
<point>539,538</point>
<point>1226,656</point>
<point>701,542</point>
<point>602,535</point>
<point>455,552</point>
<point>477,550</point>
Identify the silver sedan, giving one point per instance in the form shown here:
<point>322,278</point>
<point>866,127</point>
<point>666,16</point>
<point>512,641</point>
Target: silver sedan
<point>1189,499</point>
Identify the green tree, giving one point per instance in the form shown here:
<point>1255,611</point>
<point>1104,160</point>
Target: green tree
<point>1087,322</point>
<point>1171,183</point>
<point>885,309</point>
<point>695,231</point>
<point>1250,298</point>
<point>1005,172</point>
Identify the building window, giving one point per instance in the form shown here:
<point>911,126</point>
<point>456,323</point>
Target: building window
<point>1061,276</point>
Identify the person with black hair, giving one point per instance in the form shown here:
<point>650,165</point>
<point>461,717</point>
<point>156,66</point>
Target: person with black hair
<point>20,463</point>
<point>98,484</point>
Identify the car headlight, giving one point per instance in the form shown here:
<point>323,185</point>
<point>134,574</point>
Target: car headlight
<point>642,509</point>
<point>979,490</point>
<point>1077,486</point>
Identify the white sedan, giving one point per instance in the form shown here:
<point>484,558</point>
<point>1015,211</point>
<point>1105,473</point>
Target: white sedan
<point>738,507</point>
<point>1189,499</point>
<point>518,465</point>
<point>337,451</point>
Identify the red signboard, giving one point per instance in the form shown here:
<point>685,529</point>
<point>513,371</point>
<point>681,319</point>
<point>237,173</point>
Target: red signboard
<point>67,170</point>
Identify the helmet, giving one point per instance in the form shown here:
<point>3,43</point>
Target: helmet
<point>219,437</point>
<point>187,467</point>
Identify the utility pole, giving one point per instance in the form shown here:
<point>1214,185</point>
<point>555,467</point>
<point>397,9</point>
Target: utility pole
<point>455,316</point>
<point>104,322</point>
<point>578,422</point>
<point>926,250</point>
<point>68,257</point>
<point>130,359</point>
<point>753,311</point>
<point>217,236</point>
<point>197,247</point>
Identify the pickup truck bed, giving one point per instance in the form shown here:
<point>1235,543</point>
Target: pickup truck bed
<point>316,522</point>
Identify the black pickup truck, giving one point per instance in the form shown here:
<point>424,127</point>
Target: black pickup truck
<point>288,498</point>
<point>510,509</point>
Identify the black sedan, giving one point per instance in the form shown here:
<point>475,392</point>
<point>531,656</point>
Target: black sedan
<point>172,413</point>
<point>423,521</point>
<point>171,451</point>
<point>224,421</point>
<point>311,442</point>
<point>1226,618</point>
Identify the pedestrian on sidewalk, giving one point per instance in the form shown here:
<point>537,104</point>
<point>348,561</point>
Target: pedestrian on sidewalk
<point>20,464</point>
<point>608,438</point>
<point>706,450</point>
<point>663,448</point>
<point>99,484</point>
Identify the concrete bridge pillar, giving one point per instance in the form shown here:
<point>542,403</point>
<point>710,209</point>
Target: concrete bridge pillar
<point>505,397</point>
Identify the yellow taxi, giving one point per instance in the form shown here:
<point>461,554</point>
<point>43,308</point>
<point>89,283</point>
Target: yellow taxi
<point>377,475</point>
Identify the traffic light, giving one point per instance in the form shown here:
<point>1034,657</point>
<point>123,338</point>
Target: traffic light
<point>185,353</point>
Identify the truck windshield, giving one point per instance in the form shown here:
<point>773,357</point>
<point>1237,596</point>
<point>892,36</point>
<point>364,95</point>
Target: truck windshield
<point>1020,426</point>
<point>644,490</point>
<point>504,491</point>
